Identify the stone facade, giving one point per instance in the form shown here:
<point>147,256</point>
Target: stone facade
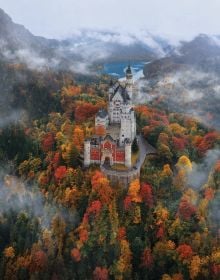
<point>118,126</point>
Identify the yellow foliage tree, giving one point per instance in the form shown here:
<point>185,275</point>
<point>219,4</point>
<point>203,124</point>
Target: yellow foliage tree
<point>176,129</point>
<point>166,277</point>
<point>194,267</point>
<point>167,172</point>
<point>137,215</point>
<point>162,214</point>
<point>184,163</point>
<point>78,137</point>
<point>9,252</point>
<point>134,191</point>
<point>124,262</point>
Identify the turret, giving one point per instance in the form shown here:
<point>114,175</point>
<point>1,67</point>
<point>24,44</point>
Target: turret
<point>129,75</point>
<point>129,81</point>
<point>87,160</point>
<point>128,154</point>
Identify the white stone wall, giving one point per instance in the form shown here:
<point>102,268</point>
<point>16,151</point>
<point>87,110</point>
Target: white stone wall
<point>115,108</point>
<point>133,125</point>
<point>125,129</point>
<point>128,155</point>
<point>128,124</point>
<point>87,160</point>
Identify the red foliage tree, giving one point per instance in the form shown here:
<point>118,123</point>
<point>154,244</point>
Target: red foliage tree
<point>185,251</point>
<point>146,194</point>
<point>127,203</point>
<point>160,232</point>
<point>147,258</point>
<point>38,261</point>
<point>216,270</point>
<point>48,142</point>
<point>56,160</point>
<point>186,209</point>
<point>60,173</point>
<point>95,207</point>
<point>121,233</point>
<point>100,273</point>
<point>207,142</point>
<point>179,143</point>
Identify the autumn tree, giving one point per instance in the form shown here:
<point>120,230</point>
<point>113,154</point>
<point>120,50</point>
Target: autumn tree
<point>134,191</point>
<point>186,209</point>
<point>147,258</point>
<point>185,252</point>
<point>78,137</point>
<point>48,142</point>
<point>146,194</point>
<point>75,254</point>
<point>38,261</point>
<point>100,273</point>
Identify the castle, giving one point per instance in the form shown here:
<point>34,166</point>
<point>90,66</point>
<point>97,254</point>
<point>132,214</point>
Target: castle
<point>118,126</point>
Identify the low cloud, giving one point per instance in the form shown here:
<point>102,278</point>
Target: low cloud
<point>32,60</point>
<point>189,91</point>
<point>13,117</point>
<point>16,195</point>
<point>200,172</point>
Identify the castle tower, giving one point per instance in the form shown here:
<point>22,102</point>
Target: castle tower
<point>87,160</point>
<point>128,124</point>
<point>129,81</point>
<point>133,125</point>
<point>128,154</point>
<point>111,89</point>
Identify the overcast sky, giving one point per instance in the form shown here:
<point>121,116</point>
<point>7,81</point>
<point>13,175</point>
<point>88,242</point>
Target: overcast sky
<point>177,19</point>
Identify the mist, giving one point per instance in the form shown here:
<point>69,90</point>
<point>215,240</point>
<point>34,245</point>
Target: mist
<point>189,91</point>
<point>19,196</point>
<point>200,172</point>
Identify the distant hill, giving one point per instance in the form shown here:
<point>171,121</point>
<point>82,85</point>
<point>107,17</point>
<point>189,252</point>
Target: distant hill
<point>203,53</point>
<point>188,80</point>
<point>14,37</point>
<point>91,46</point>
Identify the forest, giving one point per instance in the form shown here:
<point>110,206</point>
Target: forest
<point>60,221</point>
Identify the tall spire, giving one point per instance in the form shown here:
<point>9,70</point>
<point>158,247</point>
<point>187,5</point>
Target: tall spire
<point>129,72</point>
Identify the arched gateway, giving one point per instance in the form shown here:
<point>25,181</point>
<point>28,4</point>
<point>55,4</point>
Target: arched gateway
<point>107,158</point>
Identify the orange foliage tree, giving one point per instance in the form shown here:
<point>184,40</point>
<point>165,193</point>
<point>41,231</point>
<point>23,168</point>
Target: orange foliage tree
<point>75,254</point>
<point>100,185</point>
<point>134,191</point>
<point>84,111</point>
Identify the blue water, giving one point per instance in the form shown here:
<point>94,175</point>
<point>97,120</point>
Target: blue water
<point>117,69</point>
